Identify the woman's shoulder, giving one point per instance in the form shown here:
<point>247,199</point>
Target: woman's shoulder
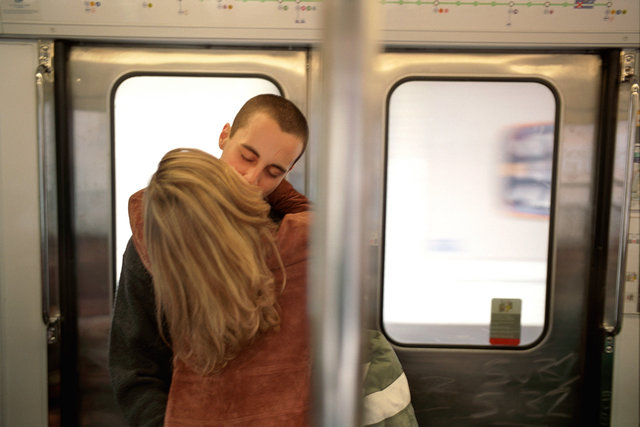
<point>293,236</point>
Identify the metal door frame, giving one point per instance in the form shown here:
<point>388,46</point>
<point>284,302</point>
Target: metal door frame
<point>541,384</point>
<point>92,73</point>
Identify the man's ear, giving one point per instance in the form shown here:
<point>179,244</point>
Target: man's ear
<point>224,135</point>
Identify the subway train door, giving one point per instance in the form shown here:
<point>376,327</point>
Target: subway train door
<point>495,173</point>
<point>126,108</point>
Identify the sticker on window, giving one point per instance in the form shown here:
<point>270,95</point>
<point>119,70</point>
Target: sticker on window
<point>505,321</point>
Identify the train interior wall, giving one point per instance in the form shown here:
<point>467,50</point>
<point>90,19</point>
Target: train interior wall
<point>23,336</point>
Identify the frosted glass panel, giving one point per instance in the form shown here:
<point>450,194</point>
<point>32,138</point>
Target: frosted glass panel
<point>154,114</point>
<point>468,197</point>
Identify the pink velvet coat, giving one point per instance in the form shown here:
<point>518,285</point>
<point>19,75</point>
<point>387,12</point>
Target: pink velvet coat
<point>268,384</point>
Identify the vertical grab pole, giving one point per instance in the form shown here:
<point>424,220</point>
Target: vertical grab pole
<point>621,197</point>
<point>338,255</point>
<point>44,79</point>
<point>49,232</point>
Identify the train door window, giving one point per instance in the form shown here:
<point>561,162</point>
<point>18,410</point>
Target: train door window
<point>467,212</point>
<point>154,114</point>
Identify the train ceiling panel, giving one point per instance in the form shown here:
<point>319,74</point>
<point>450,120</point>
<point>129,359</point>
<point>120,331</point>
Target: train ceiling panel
<point>553,23</point>
<point>514,22</point>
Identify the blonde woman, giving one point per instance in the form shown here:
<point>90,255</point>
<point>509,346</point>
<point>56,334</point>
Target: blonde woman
<point>230,287</point>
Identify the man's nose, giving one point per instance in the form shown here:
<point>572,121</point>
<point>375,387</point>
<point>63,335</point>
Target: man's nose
<point>251,175</point>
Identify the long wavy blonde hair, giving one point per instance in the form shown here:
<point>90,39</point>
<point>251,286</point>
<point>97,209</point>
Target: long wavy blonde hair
<point>209,237</point>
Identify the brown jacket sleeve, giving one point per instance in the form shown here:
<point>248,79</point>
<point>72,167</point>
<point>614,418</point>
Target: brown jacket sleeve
<point>286,200</point>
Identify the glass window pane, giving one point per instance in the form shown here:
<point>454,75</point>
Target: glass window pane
<point>468,196</point>
<point>154,114</point>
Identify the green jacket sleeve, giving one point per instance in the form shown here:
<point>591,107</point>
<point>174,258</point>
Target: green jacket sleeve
<point>387,399</point>
<point>140,362</point>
